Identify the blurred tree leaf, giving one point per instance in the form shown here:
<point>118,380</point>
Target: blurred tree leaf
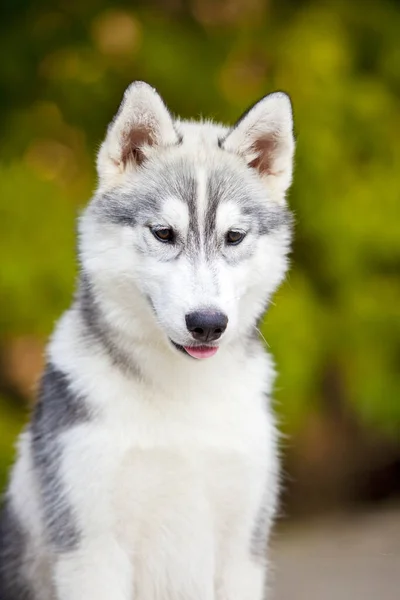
<point>62,75</point>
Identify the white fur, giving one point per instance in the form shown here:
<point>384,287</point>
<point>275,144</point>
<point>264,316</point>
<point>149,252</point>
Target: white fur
<point>168,477</point>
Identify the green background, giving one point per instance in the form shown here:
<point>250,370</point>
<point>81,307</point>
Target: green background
<point>334,329</point>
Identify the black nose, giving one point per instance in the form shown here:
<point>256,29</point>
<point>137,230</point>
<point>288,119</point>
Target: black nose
<point>206,325</point>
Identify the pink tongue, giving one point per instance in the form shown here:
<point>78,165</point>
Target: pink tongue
<point>201,351</point>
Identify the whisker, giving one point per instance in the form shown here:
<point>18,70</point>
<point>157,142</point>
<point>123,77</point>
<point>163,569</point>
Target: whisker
<point>260,333</point>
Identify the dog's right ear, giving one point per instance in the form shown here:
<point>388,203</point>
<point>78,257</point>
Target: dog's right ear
<point>142,121</point>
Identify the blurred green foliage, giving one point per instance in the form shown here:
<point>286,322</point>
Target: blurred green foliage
<point>335,329</point>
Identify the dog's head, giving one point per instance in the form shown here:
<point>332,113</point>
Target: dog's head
<point>189,226</point>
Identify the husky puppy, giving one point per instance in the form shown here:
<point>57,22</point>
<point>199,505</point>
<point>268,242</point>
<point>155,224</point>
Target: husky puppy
<point>149,470</point>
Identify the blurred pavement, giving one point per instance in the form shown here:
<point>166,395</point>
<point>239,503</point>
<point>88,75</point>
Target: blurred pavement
<point>352,557</point>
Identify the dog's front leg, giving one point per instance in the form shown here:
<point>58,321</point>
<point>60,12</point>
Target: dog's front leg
<point>99,570</point>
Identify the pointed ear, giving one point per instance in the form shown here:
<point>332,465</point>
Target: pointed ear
<point>142,121</point>
<point>264,137</point>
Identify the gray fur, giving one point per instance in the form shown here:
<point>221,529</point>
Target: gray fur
<point>123,208</point>
<point>225,185</point>
<point>57,410</point>
<point>260,534</point>
<point>13,585</point>
<point>145,199</point>
<point>267,510</point>
<point>189,188</point>
<point>154,186</point>
<point>214,195</point>
<point>98,330</point>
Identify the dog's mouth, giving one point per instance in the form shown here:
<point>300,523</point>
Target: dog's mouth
<point>197,352</point>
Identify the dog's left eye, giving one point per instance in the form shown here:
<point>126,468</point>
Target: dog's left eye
<point>163,234</point>
<point>234,237</point>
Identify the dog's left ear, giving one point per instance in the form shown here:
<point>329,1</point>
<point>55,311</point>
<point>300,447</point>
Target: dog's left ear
<point>142,122</point>
<point>263,136</point>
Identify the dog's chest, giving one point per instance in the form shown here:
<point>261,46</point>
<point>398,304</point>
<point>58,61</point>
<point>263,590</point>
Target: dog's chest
<point>191,479</point>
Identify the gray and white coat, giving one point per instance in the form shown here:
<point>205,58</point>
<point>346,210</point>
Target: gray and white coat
<point>148,471</point>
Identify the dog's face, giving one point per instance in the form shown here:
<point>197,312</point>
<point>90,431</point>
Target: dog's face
<point>189,225</point>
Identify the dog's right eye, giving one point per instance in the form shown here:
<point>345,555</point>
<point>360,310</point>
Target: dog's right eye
<point>163,234</point>
<point>234,237</point>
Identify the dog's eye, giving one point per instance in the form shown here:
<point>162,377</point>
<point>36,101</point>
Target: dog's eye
<point>164,234</point>
<point>234,237</point>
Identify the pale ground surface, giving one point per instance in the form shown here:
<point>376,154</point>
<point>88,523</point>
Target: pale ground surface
<point>352,557</point>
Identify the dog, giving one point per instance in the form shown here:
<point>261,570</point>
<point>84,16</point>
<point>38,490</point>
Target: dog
<point>149,469</point>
